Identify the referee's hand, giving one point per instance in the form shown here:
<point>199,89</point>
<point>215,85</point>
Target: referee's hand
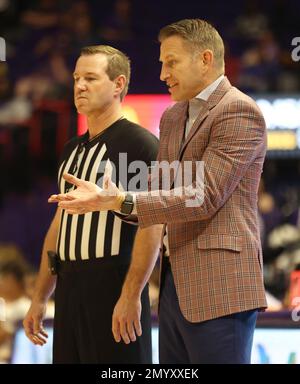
<point>126,320</point>
<point>33,324</point>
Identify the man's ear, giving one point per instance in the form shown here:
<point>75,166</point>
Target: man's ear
<point>120,83</point>
<point>207,57</point>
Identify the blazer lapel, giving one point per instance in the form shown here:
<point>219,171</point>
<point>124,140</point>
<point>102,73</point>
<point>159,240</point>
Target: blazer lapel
<point>177,132</point>
<point>219,93</point>
<point>212,101</point>
<point>202,115</point>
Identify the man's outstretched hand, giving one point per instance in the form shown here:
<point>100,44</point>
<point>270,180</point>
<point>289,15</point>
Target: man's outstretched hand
<point>89,197</point>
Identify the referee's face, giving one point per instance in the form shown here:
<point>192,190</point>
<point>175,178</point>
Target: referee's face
<point>93,90</point>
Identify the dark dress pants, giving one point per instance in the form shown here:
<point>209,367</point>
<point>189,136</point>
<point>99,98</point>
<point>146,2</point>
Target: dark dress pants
<point>224,340</point>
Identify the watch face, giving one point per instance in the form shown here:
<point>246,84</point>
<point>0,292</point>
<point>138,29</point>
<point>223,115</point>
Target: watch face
<point>127,205</point>
<point>126,208</point>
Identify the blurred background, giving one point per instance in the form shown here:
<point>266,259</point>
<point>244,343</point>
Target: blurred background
<point>43,39</point>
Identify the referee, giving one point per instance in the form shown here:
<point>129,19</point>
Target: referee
<point>93,250</point>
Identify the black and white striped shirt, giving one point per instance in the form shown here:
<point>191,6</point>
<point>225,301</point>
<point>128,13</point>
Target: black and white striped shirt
<point>101,234</point>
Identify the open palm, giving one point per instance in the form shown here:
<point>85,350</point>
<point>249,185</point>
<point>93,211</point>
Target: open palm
<point>87,196</point>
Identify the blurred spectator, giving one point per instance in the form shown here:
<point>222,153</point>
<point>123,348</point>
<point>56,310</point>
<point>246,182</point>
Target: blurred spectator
<point>45,14</point>
<point>77,27</point>
<point>268,210</point>
<point>118,26</point>
<point>53,81</point>
<point>252,22</point>
<point>286,238</point>
<point>279,210</point>
<point>289,78</point>
<point>14,106</point>
<point>13,269</point>
<point>8,253</point>
<point>268,47</point>
<point>260,65</point>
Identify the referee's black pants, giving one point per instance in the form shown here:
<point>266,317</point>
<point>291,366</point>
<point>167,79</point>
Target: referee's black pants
<point>85,297</point>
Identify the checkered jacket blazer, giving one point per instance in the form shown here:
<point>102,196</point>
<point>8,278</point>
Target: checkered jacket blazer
<point>215,249</point>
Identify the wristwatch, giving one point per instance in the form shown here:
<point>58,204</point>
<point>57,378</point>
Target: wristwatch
<point>127,205</point>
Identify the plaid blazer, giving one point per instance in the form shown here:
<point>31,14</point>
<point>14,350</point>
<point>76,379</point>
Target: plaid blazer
<point>215,249</point>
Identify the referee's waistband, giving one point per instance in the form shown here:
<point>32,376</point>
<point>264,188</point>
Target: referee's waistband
<point>103,262</point>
